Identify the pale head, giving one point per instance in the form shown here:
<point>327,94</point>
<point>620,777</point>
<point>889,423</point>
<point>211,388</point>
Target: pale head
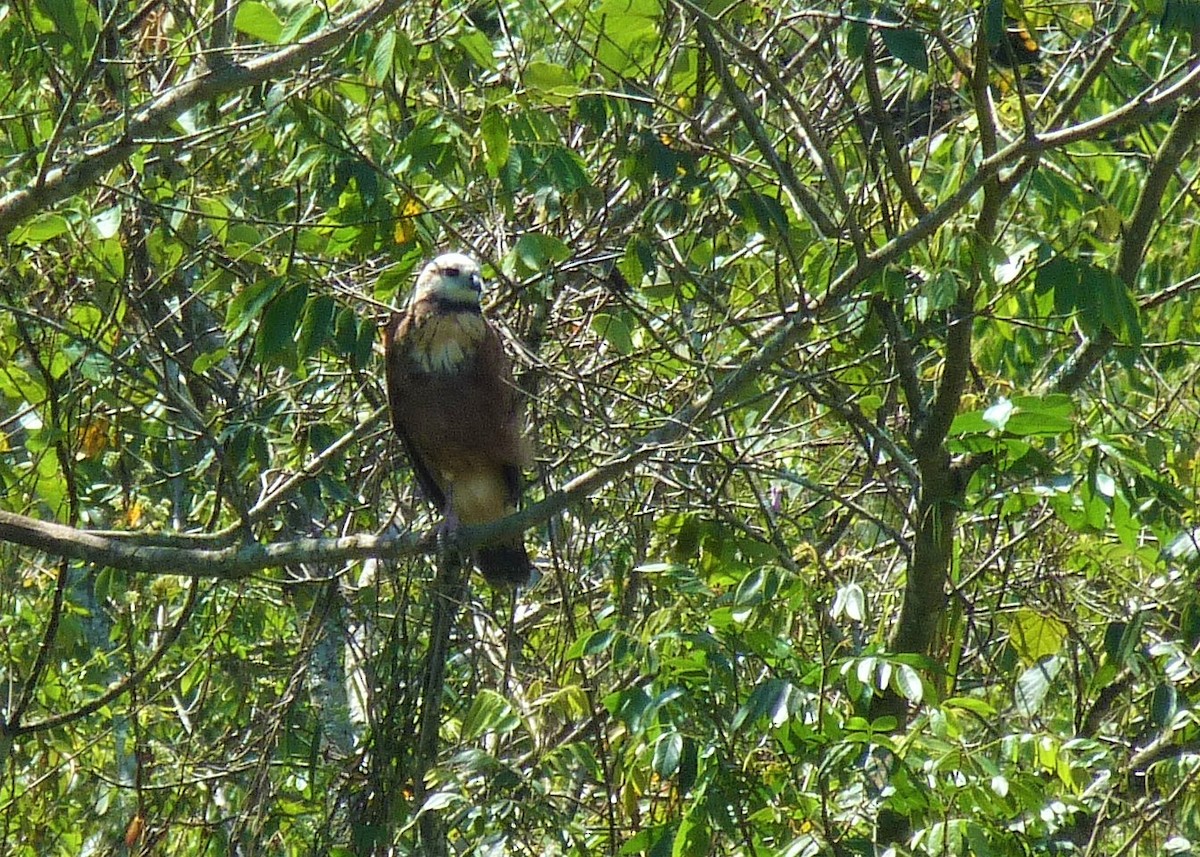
<point>450,278</point>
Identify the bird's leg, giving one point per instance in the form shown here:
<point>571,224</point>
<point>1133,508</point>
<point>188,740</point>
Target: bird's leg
<point>450,522</point>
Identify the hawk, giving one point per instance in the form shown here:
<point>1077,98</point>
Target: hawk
<point>456,409</point>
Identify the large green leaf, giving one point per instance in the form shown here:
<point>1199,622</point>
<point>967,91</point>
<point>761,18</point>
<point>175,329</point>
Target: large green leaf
<point>258,20</point>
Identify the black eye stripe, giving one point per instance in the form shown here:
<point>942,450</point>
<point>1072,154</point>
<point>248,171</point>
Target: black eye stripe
<point>450,272</point>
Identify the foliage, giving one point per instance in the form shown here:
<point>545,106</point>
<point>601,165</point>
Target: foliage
<point>875,319</point>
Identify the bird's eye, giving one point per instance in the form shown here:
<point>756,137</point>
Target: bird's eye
<point>450,272</point>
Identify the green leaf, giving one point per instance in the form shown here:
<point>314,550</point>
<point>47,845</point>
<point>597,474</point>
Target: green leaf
<point>630,706</point>
<point>345,332</point>
<point>383,56</point>
<point>1035,683</point>
<point>993,21</point>
<point>1118,641</point>
<point>664,846</point>
<point>858,37</point>
<point>551,81</point>
<point>629,31</point>
<point>769,699</point>
<point>667,752</point>
<point>66,17</point>
<point>365,343</point>
<point>248,303</point>
<point>749,589</point>
<point>493,131</point>
<point>274,345</point>
<point>1061,276</point>
<point>40,229</point>
<point>591,643</point>
<point>441,800</point>
<point>477,46</point>
<point>317,327</point>
<point>941,290</point>
<point>967,703</point>
<point>769,215</point>
<point>689,760</point>
<point>209,359</point>
<point>489,712</point>
<point>1116,308</point>
<point>907,45</point>
<point>258,21</point>
<point>630,264</point>
<point>638,262</point>
<point>614,328</point>
<point>908,684</point>
<point>392,282</point>
<point>1164,703</point>
<point>304,20</point>
<point>1179,15</point>
<point>970,423</point>
<point>1035,636</point>
<point>566,170</point>
<point>537,251</point>
<point>693,837</point>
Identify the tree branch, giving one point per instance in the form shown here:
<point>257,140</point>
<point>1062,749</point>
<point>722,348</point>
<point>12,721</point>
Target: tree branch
<point>1179,142</point>
<point>238,561</point>
<point>745,111</point>
<point>229,563</point>
<point>151,118</point>
<point>132,680</point>
<point>782,336</point>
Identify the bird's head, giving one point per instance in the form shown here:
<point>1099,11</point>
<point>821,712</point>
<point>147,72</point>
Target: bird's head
<point>451,278</point>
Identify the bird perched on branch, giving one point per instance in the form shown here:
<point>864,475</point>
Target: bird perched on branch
<point>456,409</point>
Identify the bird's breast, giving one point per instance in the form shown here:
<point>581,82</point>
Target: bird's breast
<point>444,343</point>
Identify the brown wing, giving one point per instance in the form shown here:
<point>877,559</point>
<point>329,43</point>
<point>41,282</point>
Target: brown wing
<point>509,446</point>
<point>399,382</point>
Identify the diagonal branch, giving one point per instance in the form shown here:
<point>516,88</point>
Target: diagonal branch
<point>782,337</point>
<point>1179,142</point>
<point>134,679</point>
<point>745,111</point>
<point>148,120</point>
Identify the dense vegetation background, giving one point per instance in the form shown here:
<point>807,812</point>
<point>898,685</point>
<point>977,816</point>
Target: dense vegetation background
<point>858,343</point>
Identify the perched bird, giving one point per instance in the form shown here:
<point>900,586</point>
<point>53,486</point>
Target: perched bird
<point>456,409</point>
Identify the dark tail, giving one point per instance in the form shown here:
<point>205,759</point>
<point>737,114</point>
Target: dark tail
<point>504,565</point>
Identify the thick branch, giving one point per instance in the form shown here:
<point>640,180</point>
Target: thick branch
<point>238,561</point>
<point>149,120</point>
<point>1179,142</point>
<point>228,563</point>
<point>782,337</point>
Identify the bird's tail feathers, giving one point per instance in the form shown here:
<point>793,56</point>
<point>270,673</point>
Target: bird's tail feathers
<point>504,565</point>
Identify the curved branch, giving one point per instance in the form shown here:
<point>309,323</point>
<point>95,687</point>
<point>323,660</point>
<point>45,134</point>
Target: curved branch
<point>43,655</point>
<point>130,681</point>
<point>144,122</point>
<point>229,563</point>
